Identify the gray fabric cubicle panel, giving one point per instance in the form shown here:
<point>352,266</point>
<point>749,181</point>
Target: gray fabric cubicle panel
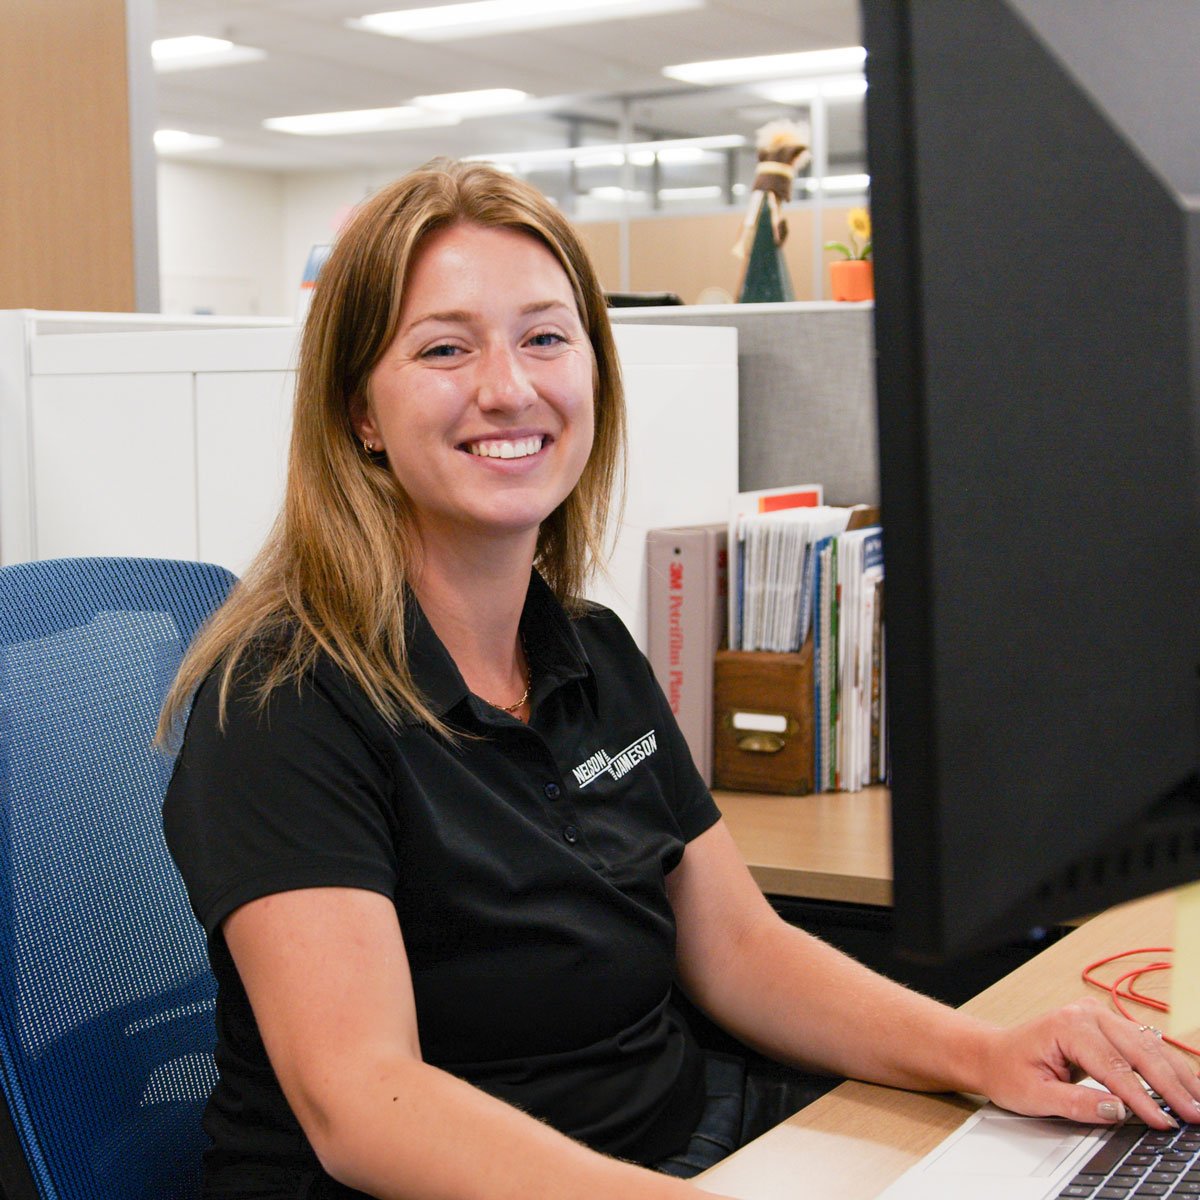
<point>806,392</point>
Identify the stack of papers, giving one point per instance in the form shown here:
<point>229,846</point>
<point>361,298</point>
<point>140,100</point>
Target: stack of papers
<point>849,662</point>
<point>795,571</point>
<point>777,554</point>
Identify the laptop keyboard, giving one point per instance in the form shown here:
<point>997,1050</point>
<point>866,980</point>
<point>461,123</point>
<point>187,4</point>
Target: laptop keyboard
<point>1138,1162</point>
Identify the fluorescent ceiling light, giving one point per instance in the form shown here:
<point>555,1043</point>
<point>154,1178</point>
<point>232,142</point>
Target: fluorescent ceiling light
<point>447,21</point>
<point>612,153</point>
<point>477,101</point>
<point>801,91</point>
<point>617,195</point>
<point>839,183</point>
<point>176,141</point>
<point>844,87</point>
<point>598,158</point>
<point>709,192</point>
<point>769,66</point>
<point>188,53</point>
<point>363,120</point>
<point>681,156</point>
<point>723,141</point>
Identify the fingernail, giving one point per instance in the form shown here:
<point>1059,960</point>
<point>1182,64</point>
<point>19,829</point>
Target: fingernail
<point>1111,1110</point>
<point>1174,1123</point>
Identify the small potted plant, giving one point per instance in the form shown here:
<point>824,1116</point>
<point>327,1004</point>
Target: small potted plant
<point>852,277</point>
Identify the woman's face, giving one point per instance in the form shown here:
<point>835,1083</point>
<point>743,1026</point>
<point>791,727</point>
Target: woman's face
<point>484,400</point>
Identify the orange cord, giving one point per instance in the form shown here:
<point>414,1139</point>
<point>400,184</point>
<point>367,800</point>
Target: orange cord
<point>1131,979</point>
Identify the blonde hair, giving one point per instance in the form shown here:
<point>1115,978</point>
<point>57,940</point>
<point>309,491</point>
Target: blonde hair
<point>331,577</point>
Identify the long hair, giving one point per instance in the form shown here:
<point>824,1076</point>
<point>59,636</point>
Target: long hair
<point>332,576</point>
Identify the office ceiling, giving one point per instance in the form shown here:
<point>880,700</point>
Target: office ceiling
<point>584,77</point>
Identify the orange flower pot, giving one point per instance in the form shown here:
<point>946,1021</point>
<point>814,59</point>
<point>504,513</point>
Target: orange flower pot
<point>852,279</point>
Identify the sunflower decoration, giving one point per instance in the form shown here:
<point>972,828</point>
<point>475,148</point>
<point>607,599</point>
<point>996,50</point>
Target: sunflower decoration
<point>859,222</point>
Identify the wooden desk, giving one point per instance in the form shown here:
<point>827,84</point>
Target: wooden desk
<point>830,846</point>
<point>880,1131</point>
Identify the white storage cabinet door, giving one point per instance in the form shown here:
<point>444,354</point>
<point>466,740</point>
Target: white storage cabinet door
<point>114,465</point>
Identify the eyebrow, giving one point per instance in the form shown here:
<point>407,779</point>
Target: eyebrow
<point>460,317</point>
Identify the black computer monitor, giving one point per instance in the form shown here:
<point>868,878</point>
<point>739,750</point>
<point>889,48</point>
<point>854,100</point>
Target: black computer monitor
<point>1035,183</point>
<point>641,299</point>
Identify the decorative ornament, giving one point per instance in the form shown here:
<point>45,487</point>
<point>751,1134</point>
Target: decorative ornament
<point>782,151</point>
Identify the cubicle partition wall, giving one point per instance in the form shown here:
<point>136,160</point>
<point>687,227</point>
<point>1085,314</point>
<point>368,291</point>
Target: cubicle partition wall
<point>169,439</point>
<point>807,392</point>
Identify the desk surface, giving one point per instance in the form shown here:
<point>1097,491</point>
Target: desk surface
<point>829,846</point>
<point>882,1131</point>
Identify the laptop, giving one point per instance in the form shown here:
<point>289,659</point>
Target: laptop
<point>997,1155</point>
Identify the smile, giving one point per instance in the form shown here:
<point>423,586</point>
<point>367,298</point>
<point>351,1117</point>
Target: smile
<point>500,448</point>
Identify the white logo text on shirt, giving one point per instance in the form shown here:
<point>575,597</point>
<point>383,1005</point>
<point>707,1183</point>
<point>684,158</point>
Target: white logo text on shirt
<point>619,764</point>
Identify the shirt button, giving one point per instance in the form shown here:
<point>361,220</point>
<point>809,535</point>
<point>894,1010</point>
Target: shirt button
<point>571,835</point>
<point>552,790</point>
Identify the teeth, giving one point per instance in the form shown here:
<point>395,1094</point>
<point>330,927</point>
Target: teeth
<point>521,448</point>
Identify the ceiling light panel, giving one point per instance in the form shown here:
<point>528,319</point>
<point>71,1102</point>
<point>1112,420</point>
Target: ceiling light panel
<point>769,66</point>
<point>194,52</point>
<point>481,100</point>
<point>617,195</point>
<point>703,192</point>
<point>838,183</point>
<point>178,141</point>
<point>613,154</point>
<point>801,91</point>
<point>486,17</point>
<point>363,120</point>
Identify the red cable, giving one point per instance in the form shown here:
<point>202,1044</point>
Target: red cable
<point>1130,993</point>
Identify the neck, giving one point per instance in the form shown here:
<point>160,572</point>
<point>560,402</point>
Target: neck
<point>474,603</point>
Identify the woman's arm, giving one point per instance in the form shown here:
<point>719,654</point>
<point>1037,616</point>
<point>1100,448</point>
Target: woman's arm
<point>328,978</point>
<point>801,1001</point>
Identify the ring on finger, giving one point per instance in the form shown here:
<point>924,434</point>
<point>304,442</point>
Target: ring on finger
<point>1154,1029</point>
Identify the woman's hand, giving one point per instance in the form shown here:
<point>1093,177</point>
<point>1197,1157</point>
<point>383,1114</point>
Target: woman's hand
<point>1029,1069</point>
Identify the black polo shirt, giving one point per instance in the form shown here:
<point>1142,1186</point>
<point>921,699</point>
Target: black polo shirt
<point>526,863</point>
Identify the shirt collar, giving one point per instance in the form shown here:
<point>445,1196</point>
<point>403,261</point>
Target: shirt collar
<point>555,652</point>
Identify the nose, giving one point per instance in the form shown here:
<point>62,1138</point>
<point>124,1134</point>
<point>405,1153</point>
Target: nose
<point>504,383</point>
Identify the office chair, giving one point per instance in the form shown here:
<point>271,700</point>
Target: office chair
<point>106,1000</point>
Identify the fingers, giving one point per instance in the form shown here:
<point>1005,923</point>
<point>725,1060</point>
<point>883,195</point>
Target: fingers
<point>1119,1055</point>
<point>1180,1063</point>
<point>1163,1068</point>
<point>1087,1105</point>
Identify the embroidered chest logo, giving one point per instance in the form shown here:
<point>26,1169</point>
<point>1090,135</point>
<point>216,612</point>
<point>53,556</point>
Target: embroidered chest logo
<point>619,764</point>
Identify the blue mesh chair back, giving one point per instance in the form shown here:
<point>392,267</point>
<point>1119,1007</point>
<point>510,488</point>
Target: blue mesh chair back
<point>106,999</point>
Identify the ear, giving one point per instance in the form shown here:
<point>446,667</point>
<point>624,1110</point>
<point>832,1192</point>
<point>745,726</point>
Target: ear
<point>362,420</point>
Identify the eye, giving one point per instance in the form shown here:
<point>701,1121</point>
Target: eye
<point>548,338</point>
<point>442,350</point>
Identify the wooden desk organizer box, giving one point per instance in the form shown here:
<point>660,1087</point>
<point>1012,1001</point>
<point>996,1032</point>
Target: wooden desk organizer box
<point>762,708</point>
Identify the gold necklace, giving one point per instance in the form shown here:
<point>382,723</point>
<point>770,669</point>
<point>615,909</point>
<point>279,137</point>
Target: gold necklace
<point>513,708</point>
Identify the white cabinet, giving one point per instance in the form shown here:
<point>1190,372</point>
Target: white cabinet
<point>113,465</point>
<point>172,442</point>
<point>163,442</point>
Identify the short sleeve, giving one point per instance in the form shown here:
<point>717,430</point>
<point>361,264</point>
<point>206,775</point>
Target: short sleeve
<point>695,809</point>
<point>295,794</point>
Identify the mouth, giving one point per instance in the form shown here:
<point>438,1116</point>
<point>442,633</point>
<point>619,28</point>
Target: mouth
<point>505,447</point>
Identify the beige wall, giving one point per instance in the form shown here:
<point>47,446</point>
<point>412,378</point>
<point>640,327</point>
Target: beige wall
<point>66,212</point>
<point>689,254</point>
